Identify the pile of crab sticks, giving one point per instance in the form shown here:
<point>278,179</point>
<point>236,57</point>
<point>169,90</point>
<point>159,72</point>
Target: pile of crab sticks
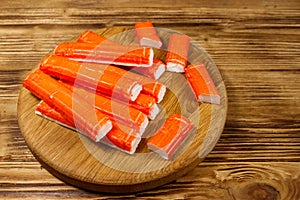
<point>108,91</point>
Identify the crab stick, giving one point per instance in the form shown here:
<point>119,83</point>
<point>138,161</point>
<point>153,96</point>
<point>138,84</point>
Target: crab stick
<point>147,104</point>
<point>149,86</point>
<point>49,112</point>
<point>167,139</point>
<point>115,110</point>
<point>89,120</point>
<point>107,79</point>
<point>154,71</point>
<point>153,88</point>
<point>99,78</point>
<point>144,103</point>
<point>202,84</point>
<point>119,137</point>
<point>106,53</point>
<point>178,48</point>
<point>147,34</point>
<point>92,37</point>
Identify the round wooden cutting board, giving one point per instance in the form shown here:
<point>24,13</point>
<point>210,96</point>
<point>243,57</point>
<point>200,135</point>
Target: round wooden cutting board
<point>79,161</point>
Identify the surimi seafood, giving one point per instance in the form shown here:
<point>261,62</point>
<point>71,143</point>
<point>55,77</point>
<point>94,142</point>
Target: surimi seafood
<point>91,76</point>
<point>147,34</point>
<point>113,81</point>
<point>144,103</point>
<point>108,91</point>
<point>166,140</point>
<point>117,111</point>
<point>147,104</point>
<point>106,79</point>
<point>92,37</point>
<point>154,71</point>
<point>153,88</point>
<point>119,137</point>
<point>89,120</point>
<point>106,54</point>
<point>202,84</point>
<point>49,112</point>
<point>176,59</point>
<point>149,86</point>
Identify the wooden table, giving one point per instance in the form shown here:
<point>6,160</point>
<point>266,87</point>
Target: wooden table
<point>256,47</point>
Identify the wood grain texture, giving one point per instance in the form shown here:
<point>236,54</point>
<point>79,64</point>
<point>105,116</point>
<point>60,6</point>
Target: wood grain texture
<point>256,47</point>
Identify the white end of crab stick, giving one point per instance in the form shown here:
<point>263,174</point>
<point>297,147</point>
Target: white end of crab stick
<point>135,91</point>
<point>151,57</point>
<point>143,126</point>
<point>158,151</point>
<point>160,70</point>
<point>161,94</point>
<point>154,112</point>
<point>134,145</point>
<point>150,43</point>
<point>104,130</point>
<point>175,67</point>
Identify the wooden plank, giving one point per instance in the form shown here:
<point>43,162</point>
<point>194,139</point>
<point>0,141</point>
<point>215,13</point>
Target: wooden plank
<point>236,144</point>
<point>245,40</point>
<point>243,180</point>
<point>156,4</point>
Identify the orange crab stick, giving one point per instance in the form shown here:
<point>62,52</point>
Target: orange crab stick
<point>153,88</point>
<point>147,34</point>
<point>154,71</point>
<point>144,103</point>
<point>178,48</point>
<point>89,120</point>
<point>44,109</point>
<point>119,137</point>
<point>87,74</point>
<point>107,79</point>
<point>123,138</point>
<point>202,84</point>
<point>92,37</point>
<point>149,86</point>
<point>170,135</point>
<point>106,53</point>
<point>119,112</point>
